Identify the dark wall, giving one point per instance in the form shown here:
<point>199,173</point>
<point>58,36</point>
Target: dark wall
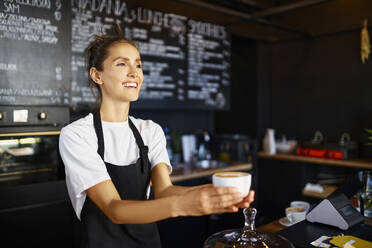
<point>320,84</point>
<point>242,116</point>
<point>186,121</point>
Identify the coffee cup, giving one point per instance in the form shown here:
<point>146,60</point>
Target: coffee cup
<point>240,180</point>
<point>300,204</point>
<point>295,214</point>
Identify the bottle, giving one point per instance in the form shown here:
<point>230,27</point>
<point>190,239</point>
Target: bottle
<point>168,139</point>
<point>269,142</point>
<point>204,150</point>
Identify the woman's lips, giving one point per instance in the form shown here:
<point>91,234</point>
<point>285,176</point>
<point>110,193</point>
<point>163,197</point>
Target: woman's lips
<point>130,84</point>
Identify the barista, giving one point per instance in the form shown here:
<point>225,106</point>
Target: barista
<point>113,158</point>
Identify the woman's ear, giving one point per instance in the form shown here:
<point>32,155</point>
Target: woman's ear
<point>95,75</point>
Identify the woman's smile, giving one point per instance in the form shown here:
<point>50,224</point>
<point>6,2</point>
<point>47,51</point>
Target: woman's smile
<point>130,85</point>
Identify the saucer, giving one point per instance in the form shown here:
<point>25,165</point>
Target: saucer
<point>285,222</point>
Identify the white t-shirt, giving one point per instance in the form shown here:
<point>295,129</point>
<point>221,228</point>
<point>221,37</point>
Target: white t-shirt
<point>85,168</point>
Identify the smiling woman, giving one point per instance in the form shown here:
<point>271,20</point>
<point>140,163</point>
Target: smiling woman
<point>112,157</point>
<point>115,53</point>
<point>121,76</point>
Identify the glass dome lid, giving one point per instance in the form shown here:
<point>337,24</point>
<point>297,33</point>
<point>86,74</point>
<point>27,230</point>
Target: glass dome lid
<point>247,237</point>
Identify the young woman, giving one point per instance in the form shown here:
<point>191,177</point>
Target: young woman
<point>113,159</point>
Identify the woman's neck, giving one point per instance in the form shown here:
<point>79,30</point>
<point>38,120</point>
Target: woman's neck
<point>114,112</point>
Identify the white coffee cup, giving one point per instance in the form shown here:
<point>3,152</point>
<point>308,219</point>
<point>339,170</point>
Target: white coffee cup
<point>301,204</point>
<point>295,214</point>
<point>240,180</point>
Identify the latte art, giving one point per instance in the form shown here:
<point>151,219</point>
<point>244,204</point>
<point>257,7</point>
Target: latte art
<point>231,174</point>
<point>294,209</point>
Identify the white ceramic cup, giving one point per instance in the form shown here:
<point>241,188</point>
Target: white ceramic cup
<point>240,180</point>
<point>295,214</point>
<point>301,204</point>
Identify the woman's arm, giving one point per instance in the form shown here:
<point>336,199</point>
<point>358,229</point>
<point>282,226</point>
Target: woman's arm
<point>194,201</point>
<point>163,186</point>
<point>106,197</point>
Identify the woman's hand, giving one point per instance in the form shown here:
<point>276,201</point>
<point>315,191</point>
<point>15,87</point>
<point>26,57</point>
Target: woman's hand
<point>207,199</point>
<point>247,200</point>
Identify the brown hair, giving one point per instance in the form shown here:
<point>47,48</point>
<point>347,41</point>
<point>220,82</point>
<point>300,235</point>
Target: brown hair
<point>97,52</point>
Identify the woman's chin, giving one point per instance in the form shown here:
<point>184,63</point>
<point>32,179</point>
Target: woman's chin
<point>131,99</point>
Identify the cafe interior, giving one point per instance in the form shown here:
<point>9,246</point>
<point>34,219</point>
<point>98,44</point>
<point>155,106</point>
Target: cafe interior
<point>279,89</point>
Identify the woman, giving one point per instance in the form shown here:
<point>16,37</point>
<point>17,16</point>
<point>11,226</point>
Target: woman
<point>113,158</point>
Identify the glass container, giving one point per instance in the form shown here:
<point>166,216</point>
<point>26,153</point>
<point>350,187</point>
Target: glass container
<point>247,237</point>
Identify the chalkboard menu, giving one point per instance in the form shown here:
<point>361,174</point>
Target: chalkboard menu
<point>186,63</point>
<point>35,45</point>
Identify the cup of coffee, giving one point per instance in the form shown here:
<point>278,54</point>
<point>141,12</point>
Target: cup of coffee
<point>240,180</point>
<point>295,214</point>
<point>300,204</point>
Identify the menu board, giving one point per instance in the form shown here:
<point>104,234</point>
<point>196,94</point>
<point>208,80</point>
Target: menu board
<point>35,45</point>
<point>186,63</point>
<point>208,62</point>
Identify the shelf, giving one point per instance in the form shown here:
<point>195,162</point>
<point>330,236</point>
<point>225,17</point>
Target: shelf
<point>191,173</point>
<point>327,190</point>
<point>355,163</point>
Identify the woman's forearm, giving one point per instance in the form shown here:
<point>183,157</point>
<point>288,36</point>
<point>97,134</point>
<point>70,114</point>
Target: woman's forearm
<point>166,205</point>
<point>141,212</point>
<point>172,190</point>
<point>180,201</point>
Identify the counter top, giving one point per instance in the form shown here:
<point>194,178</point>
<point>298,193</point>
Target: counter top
<point>304,232</point>
<point>189,172</point>
<point>355,163</point>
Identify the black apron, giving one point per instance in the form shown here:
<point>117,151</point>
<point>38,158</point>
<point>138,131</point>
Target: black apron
<point>131,182</point>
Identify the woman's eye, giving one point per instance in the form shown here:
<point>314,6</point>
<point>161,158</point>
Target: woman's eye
<point>121,64</point>
<point>139,66</point>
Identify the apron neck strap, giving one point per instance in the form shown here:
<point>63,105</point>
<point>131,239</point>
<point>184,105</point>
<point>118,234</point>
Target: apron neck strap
<point>101,144</point>
<point>143,149</point>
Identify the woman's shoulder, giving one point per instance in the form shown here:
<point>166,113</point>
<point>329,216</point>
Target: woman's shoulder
<point>81,127</point>
<point>145,125</point>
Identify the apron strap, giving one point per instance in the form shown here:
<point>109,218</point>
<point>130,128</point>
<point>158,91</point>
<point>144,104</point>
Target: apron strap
<point>143,149</point>
<point>101,144</point>
<point>98,127</point>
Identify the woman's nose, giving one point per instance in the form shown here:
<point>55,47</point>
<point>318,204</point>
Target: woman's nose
<point>132,72</point>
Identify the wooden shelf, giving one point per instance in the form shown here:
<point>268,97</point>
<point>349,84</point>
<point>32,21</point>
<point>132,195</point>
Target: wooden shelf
<point>355,163</point>
<point>327,190</point>
<point>191,173</point>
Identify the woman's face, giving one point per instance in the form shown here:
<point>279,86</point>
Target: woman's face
<point>122,76</point>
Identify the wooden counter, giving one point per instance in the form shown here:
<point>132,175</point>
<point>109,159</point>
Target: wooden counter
<point>355,163</point>
<point>271,227</point>
<point>180,174</point>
